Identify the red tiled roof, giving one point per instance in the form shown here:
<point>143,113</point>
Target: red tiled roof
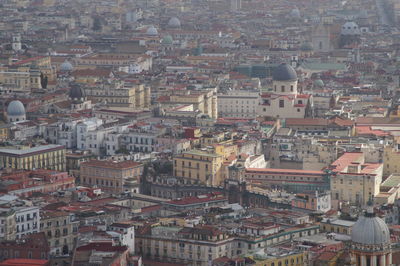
<point>216,196</point>
<point>290,171</point>
<point>27,262</point>
<point>346,159</point>
<point>28,60</point>
<point>106,247</point>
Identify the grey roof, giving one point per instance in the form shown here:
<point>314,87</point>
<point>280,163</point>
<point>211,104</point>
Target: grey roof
<point>29,150</point>
<point>284,72</point>
<point>295,13</point>
<point>152,31</point>
<point>15,108</point>
<point>66,66</point>
<point>174,22</point>
<point>370,230</point>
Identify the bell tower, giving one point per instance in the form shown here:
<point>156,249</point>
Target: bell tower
<point>16,42</point>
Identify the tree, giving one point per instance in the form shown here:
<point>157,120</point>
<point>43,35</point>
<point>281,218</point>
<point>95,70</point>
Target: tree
<point>43,81</point>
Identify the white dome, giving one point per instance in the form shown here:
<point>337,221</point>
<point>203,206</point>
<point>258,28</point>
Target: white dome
<point>174,22</point>
<point>350,28</point>
<point>370,230</point>
<point>15,108</point>
<point>295,13</point>
<point>152,31</point>
<point>66,66</point>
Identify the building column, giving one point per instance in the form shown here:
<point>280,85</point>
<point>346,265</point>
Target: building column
<point>389,259</point>
<point>373,260</point>
<point>382,259</point>
<point>363,260</point>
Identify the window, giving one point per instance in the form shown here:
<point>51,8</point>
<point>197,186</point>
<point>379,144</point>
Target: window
<point>282,88</point>
<point>291,88</point>
<point>281,103</point>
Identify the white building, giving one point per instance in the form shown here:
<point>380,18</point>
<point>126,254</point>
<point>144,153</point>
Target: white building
<point>27,220</point>
<point>127,234</point>
<point>240,104</point>
<point>83,130</point>
<point>285,101</point>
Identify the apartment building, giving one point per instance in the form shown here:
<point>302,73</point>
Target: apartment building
<point>391,159</point>
<point>195,245</point>
<point>297,181</point>
<point>354,180</point>
<point>238,104</point>
<point>114,177</point>
<point>60,230</point>
<point>7,224</point>
<point>46,157</point>
<point>203,100</point>
<point>27,220</point>
<point>198,166</point>
<point>120,94</point>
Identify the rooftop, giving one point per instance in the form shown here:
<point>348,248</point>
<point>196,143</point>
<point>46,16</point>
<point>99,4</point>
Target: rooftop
<point>32,150</point>
<point>111,164</point>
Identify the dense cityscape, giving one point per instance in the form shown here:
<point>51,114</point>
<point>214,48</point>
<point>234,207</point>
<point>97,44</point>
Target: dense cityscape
<point>199,132</point>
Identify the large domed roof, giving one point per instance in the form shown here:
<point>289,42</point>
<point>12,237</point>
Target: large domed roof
<point>370,230</point>
<point>76,92</point>
<point>174,22</point>
<point>350,28</point>
<point>66,66</point>
<point>152,31</point>
<point>15,108</point>
<point>318,83</point>
<point>295,13</point>
<point>284,72</point>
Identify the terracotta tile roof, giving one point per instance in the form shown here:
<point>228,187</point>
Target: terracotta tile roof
<point>216,196</point>
<point>346,159</point>
<point>290,171</point>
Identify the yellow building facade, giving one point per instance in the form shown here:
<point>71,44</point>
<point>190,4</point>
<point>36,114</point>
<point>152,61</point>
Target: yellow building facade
<point>204,101</point>
<point>355,181</point>
<point>391,159</point>
<point>197,166</point>
<point>292,259</point>
<point>137,97</point>
<point>41,157</point>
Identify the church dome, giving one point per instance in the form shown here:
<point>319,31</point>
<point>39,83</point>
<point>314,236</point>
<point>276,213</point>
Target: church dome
<point>167,40</point>
<point>76,92</point>
<point>66,66</point>
<point>284,72</point>
<point>370,230</point>
<point>318,83</point>
<point>174,22</point>
<point>295,13</point>
<point>15,108</point>
<point>152,31</point>
<point>350,28</point>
